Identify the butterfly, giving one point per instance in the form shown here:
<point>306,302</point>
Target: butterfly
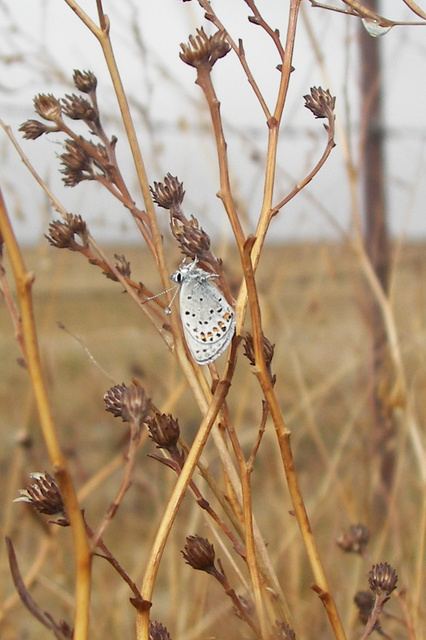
<point>208,320</point>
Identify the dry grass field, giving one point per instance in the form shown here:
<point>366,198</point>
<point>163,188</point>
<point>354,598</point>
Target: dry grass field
<point>312,299</point>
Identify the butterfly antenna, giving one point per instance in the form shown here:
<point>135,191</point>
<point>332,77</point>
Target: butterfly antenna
<point>168,309</point>
<point>157,295</point>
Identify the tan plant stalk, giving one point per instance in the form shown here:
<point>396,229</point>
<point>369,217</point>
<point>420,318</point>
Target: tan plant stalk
<point>205,82</point>
<point>82,554</point>
<point>283,436</point>
<point>177,497</point>
<point>255,246</point>
<point>415,8</point>
<point>251,254</point>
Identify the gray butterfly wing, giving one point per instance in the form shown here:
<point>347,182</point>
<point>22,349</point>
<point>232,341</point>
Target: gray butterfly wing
<point>208,320</point>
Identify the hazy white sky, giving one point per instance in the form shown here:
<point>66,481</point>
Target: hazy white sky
<point>42,41</point>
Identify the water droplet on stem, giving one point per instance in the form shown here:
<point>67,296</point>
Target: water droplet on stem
<point>374,28</point>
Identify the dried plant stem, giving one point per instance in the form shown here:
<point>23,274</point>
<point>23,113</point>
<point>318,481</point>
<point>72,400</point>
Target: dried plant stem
<point>107,555</point>
<point>360,11</point>
<point>42,616</point>
<point>251,255</point>
<point>374,617</point>
<point>330,146</point>
<point>132,288</point>
<point>415,8</point>
<point>274,126</point>
<point>410,624</point>
<point>205,83</point>
<point>274,34</point>
<point>239,50</point>
<point>203,502</point>
<point>95,481</point>
<point>32,573</point>
<point>235,499</point>
<point>53,199</point>
<point>234,513</point>
<point>125,485</point>
<point>82,554</point>
<point>247,517</point>
<point>177,497</point>
<point>283,436</point>
<point>252,564</point>
<point>102,35</point>
<point>10,304</point>
<point>386,309</point>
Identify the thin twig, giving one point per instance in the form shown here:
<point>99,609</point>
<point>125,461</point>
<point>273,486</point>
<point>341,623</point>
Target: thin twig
<point>239,50</point>
<point>125,484</point>
<point>311,175</point>
<point>42,616</point>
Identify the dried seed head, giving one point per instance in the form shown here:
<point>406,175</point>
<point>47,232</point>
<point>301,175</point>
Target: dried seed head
<point>33,129</point>
<point>320,102</point>
<point>364,600</point>
<point>199,554</point>
<point>78,108</point>
<point>249,348</point>
<point>382,578</point>
<point>73,177</point>
<point>81,159</point>
<point>62,234</point>
<point>203,50</point>
<point>268,352</point>
<point>354,540</point>
<point>122,265</point>
<point>135,405</point>
<point>193,241</point>
<point>164,430</point>
<point>168,194</point>
<point>114,400</point>
<point>43,494</point>
<point>77,164</point>
<point>76,158</point>
<point>78,226</point>
<point>48,107</point>
<point>158,632</point>
<point>85,81</point>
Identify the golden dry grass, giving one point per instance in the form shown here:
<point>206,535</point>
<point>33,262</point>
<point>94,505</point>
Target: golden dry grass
<point>312,305</point>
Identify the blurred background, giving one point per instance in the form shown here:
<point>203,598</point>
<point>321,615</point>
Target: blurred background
<point>43,41</point>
